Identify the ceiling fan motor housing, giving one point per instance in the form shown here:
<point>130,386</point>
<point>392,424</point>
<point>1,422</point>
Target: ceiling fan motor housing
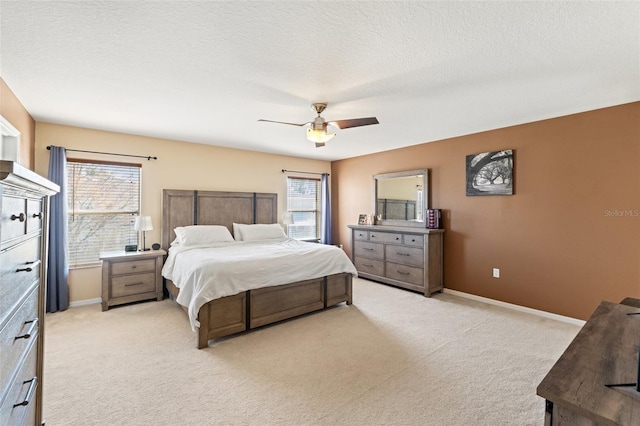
<point>319,123</point>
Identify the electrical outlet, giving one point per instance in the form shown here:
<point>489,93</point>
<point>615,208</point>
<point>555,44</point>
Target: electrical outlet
<point>496,273</point>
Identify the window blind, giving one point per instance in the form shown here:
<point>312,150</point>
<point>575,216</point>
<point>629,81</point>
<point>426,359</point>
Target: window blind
<point>303,201</point>
<point>103,200</point>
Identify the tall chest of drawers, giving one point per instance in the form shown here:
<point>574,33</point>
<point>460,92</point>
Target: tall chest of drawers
<point>24,208</point>
<point>410,258</point>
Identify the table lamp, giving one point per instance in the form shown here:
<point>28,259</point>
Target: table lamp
<point>143,223</point>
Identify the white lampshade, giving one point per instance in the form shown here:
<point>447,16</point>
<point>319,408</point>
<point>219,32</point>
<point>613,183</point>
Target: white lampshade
<point>143,223</point>
<point>319,136</point>
<point>287,218</point>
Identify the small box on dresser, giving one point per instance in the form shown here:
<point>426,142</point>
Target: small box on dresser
<point>407,257</point>
<point>131,277</point>
<point>24,207</point>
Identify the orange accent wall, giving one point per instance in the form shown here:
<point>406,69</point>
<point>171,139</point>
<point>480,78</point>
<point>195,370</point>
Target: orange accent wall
<point>567,239</point>
<point>12,109</point>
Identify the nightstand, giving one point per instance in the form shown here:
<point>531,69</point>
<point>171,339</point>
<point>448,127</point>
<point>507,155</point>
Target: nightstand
<point>131,276</point>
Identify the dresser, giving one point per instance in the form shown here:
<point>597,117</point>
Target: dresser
<point>594,381</point>
<point>131,277</point>
<point>24,208</point>
<point>405,257</point>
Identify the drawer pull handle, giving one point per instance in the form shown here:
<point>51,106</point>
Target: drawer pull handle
<point>20,217</point>
<point>27,397</point>
<point>134,266</point>
<point>37,215</point>
<point>403,273</point>
<point>367,248</point>
<point>132,284</point>
<point>32,327</point>
<point>29,268</point>
<point>413,240</point>
<point>397,238</point>
<point>368,265</point>
<point>373,236</point>
<point>403,254</point>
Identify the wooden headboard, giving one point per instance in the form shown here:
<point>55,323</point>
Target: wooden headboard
<point>192,207</point>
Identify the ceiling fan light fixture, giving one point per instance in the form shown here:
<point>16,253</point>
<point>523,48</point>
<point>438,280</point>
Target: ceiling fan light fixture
<point>319,136</point>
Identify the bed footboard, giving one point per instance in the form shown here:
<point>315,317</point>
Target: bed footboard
<point>222,317</point>
<point>255,308</point>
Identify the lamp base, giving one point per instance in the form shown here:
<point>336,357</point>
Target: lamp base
<point>144,249</point>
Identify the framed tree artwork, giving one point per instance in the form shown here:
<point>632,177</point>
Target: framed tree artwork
<point>490,173</point>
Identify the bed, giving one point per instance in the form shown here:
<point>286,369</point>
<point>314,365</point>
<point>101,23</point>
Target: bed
<point>258,305</point>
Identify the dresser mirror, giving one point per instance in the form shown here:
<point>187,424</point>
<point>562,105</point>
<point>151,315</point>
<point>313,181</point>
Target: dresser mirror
<point>401,198</point>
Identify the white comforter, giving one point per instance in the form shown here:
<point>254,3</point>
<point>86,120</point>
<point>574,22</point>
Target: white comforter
<point>205,273</point>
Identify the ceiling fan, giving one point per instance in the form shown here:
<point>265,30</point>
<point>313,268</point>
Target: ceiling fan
<point>318,131</point>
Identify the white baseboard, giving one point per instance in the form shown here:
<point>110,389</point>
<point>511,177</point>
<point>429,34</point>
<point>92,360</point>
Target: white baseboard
<point>85,302</point>
<point>544,314</point>
<point>537,312</point>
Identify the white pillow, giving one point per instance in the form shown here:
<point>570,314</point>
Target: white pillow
<point>258,232</point>
<point>202,234</point>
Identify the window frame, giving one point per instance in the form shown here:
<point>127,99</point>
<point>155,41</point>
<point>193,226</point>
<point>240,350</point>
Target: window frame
<point>72,212</point>
<point>317,210</point>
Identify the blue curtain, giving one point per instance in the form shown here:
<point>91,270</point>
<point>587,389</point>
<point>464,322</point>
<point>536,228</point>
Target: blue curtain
<point>58,266</point>
<point>325,220</point>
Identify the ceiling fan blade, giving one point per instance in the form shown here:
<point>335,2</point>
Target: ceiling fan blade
<point>319,144</point>
<point>284,122</point>
<point>354,122</point>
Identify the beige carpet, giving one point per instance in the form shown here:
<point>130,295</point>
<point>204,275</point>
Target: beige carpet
<point>392,358</point>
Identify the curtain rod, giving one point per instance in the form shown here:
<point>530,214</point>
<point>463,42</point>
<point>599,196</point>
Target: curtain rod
<point>109,153</point>
<point>308,173</point>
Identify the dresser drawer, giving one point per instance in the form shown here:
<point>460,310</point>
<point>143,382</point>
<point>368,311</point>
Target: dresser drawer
<point>23,323</point>
<point>22,391</point>
<point>133,266</point>
<point>128,285</point>
<point>13,219</point>
<point>413,240</point>
<point>19,270</point>
<point>34,215</point>
<point>405,273</point>
<point>360,235</point>
<point>370,250</point>
<point>405,255</point>
<point>385,237</point>
<point>370,266</point>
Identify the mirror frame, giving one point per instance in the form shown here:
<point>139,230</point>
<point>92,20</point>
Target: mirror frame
<point>425,197</point>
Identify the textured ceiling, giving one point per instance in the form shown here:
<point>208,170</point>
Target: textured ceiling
<point>206,71</point>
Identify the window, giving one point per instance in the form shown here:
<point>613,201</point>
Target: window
<point>103,200</point>
<point>303,202</point>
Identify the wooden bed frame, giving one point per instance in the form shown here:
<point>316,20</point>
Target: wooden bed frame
<point>253,308</point>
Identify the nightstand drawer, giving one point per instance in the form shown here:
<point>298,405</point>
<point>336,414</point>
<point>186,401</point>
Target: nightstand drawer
<point>133,266</point>
<point>128,285</point>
